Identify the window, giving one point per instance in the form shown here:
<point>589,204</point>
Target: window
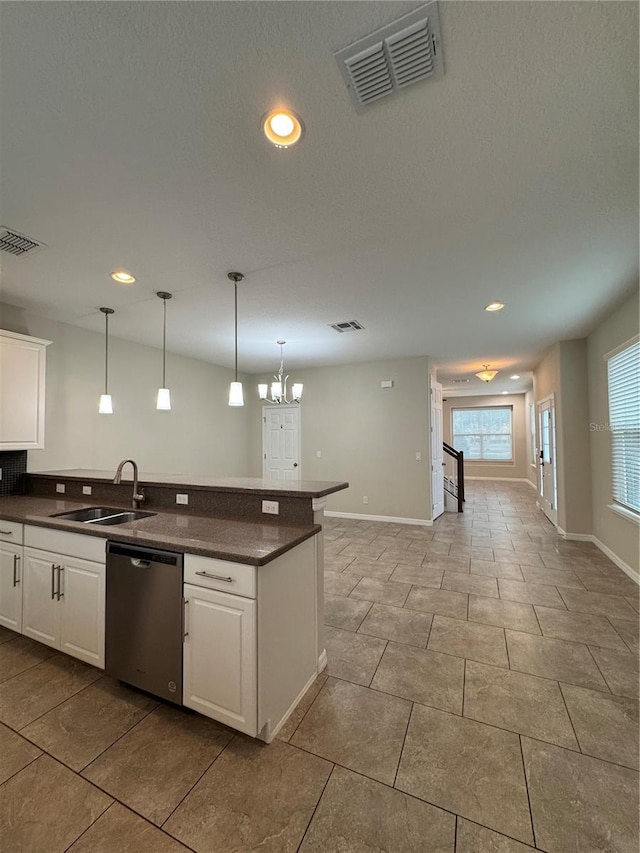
<point>623,370</point>
<point>483,433</point>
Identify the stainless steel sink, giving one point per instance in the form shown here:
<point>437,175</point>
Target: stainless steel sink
<point>103,515</point>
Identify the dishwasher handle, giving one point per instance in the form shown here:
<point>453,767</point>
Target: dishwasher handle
<point>140,564</point>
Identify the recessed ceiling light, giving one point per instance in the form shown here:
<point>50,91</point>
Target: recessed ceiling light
<point>282,127</point>
<point>515,376</point>
<point>122,276</point>
<point>494,306</point>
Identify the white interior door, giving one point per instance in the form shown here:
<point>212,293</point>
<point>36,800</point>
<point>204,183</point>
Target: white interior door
<point>281,443</point>
<point>547,481</point>
<point>437,453</point>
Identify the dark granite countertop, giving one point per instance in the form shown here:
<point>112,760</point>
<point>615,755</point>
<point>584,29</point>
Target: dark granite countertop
<point>238,540</point>
<point>290,488</point>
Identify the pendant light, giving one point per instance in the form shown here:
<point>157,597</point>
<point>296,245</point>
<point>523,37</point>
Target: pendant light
<point>236,397</point>
<point>106,405</point>
<point>486,375</point>
<point>163,402</point>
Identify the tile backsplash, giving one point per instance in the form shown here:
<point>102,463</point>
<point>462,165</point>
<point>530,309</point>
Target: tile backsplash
<point>13,465</point>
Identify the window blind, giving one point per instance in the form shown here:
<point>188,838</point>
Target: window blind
<point>624,424</point>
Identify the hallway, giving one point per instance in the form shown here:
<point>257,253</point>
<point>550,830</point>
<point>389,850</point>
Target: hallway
<point>481,696</point>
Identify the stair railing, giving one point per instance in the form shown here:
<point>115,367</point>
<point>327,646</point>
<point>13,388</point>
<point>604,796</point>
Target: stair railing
<point>458,456</point>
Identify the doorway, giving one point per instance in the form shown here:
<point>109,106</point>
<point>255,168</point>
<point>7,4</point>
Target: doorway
<point>281,443</point>
<point>547,479</point>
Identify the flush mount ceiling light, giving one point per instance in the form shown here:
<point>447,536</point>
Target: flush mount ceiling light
<point>494,306</point>
<point>515,376</point>
<point>279,387</point>
<point>486,375</point>
<point>282,127</point>
<point>236,397</point>
<point>122,276</point>
<point>163,402</point>
<point>505,392</point>
<point>105,406</point>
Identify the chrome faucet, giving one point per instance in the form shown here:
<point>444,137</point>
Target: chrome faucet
<point>138,494</point>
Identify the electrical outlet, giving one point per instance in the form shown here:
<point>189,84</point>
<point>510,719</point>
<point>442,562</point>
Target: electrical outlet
<point>60,488</point>
<point>365,499</point>
<point>318,454</point>
<point>86,490</point>
<point>271,507</point>
<point>182,499</point>
<point>418,456</point>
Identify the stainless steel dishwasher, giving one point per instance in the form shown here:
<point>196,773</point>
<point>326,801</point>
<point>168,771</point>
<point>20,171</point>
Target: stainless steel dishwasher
<point>144,629</point>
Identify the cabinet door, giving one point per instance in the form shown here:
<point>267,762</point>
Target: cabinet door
<point>22,390</point>
<point>82,606</point>
<point>11,586</point>
<point>41,611</point>
<point>220,657</point>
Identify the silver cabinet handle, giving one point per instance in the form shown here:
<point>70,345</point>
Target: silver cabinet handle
<point>16,579</point>
<point>214,577</point>
<point>7,532</point>
<point>58,593</point>
<point>185,633</point>
<point>53,580</point>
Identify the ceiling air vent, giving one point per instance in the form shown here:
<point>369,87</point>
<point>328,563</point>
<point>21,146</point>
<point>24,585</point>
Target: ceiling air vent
<point>347,326</point>
<point>16,243</point>
<point>398,55</point>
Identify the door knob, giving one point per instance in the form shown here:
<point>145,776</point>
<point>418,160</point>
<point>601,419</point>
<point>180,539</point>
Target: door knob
<point>295,464</point>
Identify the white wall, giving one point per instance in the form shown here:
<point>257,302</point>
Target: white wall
<point>367,435</point>
<point>518,469</point>
<point>563,373</point>
<point>619,534</point>
<point>201,435</point>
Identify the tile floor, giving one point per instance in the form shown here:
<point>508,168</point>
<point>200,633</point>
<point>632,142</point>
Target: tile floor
<point>481,695</point>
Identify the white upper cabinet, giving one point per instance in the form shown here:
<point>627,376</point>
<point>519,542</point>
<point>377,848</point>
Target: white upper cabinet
<point>22,391</point>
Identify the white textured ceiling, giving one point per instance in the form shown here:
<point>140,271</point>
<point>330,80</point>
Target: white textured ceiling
<point>130,138</point>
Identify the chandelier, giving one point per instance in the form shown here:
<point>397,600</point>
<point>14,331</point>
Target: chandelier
<point>279,387</point>
<point>486,375</point>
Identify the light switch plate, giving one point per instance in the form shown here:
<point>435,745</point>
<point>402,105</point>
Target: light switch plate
<point>60,488</point>
<point>271,507</point>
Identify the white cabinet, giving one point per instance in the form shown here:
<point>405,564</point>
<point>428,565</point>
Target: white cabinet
<point>11,586</point>
<point>220,657</point>
<point>250,653</point>
<point>64,604</point>
<point>11,534</point>
<point>22,391</point>
<point>40,610</point>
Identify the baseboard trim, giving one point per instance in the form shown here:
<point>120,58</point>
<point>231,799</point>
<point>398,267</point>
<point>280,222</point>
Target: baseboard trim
<point>322,660</point>
<point>422,522</point>
<point>615,559</point>
<point>589,537</point>
<point>503,479</point>
<point>267,734</point>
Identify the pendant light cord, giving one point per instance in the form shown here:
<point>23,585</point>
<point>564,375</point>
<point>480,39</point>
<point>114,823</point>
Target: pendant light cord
<point>235,289</point>
<point>164,345</point>
<point>106,353</point>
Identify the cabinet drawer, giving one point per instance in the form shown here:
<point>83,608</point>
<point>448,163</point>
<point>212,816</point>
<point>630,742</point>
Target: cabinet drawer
<point>11,531</point>
<point>70,544</point>
<point>236,578</point>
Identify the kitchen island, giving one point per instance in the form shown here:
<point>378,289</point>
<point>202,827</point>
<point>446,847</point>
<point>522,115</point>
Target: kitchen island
<point>253,605</point>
